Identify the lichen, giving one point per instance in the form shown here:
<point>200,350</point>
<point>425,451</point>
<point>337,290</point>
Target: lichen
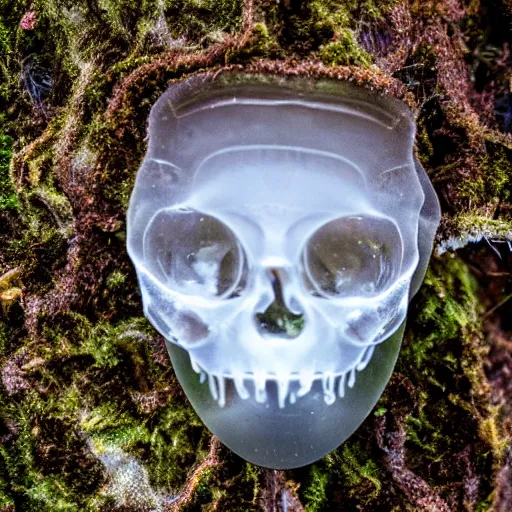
<point>314,494</point>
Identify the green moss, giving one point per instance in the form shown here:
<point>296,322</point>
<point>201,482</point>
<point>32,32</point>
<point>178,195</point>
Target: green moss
<point>350,477</point>
<point>3,338</point>
<point>447,306</point>
<point>497,167</point>
<point>356,467</point>
<point>123,16</point>
<point>485,505</point>
<point>171,437</point>
<point>427,436</point>
<point>493,179</point>
<point>336,14</point>
<point>5,43</point>
<point>109,344</point>
<point>329,29</point>
<point>344,51</point>
<point>315,490</point>
<point>6,503</point>
<point>251,480</point>
<point>178,439</point>
<point>166,440</point>
<point>108,427</point>
<point>203,20</point>
<point>116,280</point>
<point>8,198</point>
<point>56,203</point>
<point>50,494</point>
<point>8,29</point>
<point>442,357</point>
<point>261,44</point>
<point>333,14</point>
<point>243,493</point>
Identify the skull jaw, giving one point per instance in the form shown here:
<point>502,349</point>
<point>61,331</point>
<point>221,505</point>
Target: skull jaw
<point>299,434</point>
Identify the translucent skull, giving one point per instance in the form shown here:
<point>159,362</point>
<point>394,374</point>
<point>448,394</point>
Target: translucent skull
<point>262,205</point>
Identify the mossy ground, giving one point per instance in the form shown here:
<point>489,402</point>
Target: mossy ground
<point>91,415</point>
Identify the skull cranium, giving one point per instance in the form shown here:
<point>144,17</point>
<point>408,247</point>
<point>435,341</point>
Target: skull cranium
<point>262,197</point>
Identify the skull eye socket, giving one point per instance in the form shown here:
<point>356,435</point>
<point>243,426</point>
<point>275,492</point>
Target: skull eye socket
<point>352,256</point>
<point>193,253</point>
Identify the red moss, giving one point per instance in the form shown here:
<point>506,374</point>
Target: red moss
<point>29,20</point>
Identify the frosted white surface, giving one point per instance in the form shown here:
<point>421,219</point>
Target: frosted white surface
<point>262,197</point>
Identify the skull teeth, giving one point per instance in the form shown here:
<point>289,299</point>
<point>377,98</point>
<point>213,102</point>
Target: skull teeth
<point>240,387</point>
<point>333,384</point>
<point>351,378</point>
<point>341,385</point>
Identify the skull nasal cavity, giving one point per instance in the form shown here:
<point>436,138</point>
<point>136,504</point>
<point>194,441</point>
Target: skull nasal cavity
<point>277,320</point>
